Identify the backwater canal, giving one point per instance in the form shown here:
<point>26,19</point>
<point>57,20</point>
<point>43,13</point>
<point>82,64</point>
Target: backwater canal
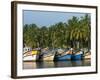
<point>53,64</point>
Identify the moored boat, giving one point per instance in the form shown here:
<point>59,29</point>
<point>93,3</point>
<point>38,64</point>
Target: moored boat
<point>77,56</point>
<point>87,55</point>
<point>47,56</point>
<point>63,56</point>
<point>31,56</point>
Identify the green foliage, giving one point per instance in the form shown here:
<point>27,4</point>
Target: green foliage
<point>74,33</point>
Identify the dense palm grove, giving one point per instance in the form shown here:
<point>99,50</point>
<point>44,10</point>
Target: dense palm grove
<point>76,33</point>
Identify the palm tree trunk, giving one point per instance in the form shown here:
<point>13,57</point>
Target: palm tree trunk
<point>78,44</point>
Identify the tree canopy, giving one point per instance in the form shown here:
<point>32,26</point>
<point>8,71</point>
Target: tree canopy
<point>76,32</point>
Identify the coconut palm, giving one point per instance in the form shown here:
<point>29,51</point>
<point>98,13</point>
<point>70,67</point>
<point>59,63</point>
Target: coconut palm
<point>85,24</point>
<point>78,31</point>
<point>72,26</point>
<point>74,33</point>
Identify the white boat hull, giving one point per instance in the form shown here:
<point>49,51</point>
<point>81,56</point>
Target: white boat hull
<point>30,58</point>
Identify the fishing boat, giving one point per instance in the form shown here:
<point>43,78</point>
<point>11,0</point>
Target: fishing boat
<point>47,55</point>
<point>31,56</point>
<point>78,55</point>
<point>48,58</point>
<point>87,55</point>
<point>63,56</point>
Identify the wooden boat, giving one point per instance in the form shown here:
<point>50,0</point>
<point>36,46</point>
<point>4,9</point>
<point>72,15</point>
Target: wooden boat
<point>87,55</point>
<point>77,56</point>
<point>63,56</point>
<point>31,56</point>
<point>48,56</point>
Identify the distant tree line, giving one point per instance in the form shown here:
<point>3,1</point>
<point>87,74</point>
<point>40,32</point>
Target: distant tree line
<point>76,33</point>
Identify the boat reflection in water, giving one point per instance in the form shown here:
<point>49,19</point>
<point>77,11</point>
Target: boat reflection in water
<point>55,64</point>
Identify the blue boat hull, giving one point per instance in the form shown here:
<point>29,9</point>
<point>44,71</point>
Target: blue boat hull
<point>63,58</point>
<point>77,57</point>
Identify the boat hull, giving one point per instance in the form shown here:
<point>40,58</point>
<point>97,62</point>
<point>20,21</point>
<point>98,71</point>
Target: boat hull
<point>63,58</point>
<point>48,58</point>
<point>30,58</point>
<point>87,57</point>
<point>77,57</point>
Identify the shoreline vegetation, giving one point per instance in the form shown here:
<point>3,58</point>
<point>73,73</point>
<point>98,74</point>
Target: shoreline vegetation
<point>75,33</point>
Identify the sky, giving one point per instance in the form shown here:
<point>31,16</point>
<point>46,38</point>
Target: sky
<point>47,18</point>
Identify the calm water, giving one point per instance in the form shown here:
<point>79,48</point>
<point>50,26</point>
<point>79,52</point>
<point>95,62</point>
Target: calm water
<point>52,64</point>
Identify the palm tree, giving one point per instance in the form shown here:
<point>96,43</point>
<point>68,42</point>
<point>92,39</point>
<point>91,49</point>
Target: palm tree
<point>85,24</point>
<point>75,33</point>
<point>78,31</point>
<point>72,26</point>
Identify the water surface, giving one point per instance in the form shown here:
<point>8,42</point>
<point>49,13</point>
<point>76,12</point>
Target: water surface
<point>52,64</point>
